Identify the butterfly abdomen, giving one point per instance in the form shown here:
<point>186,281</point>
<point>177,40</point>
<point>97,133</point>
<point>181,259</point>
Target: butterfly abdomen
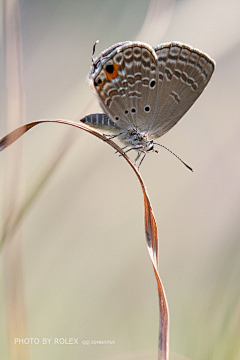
<point>100,121</point>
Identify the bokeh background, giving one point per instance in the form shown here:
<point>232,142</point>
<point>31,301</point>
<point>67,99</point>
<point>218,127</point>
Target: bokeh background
<point>74,263</point>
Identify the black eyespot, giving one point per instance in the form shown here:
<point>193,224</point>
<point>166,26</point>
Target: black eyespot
<point>126,112</point>
<point>152,83</point>
<point>133,110</point>
<point>98,81</point>
<point>147,108</point>
<point>116,118</point>
<point>109,68</point>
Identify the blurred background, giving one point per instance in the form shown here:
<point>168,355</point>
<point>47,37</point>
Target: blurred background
<point>74,261</point>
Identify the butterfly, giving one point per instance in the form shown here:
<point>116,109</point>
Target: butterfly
<point>144,91</point>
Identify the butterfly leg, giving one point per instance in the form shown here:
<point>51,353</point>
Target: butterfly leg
<point>110,137</point>
<point>141,159</point>
<point>137,147</point>
<point>140,151</point>
<point>137,157</point>
<point>122,149</point>
<point>132,148</point>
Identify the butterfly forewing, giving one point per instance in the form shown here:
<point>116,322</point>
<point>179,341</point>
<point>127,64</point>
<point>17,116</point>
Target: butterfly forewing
<point>127,85</point>
<point>183,74</point>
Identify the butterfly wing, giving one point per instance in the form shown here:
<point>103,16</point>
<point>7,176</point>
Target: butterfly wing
<point>183,74</point>
<point>125,78</point>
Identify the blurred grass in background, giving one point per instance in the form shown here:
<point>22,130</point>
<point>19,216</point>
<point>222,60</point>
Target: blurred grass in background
<point>86,269</point>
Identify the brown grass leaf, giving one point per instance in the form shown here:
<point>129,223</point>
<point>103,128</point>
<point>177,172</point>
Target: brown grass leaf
<point>150,223</point>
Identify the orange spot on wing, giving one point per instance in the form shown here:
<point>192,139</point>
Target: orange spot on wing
<point>114,73</point>
<point>109,76</point>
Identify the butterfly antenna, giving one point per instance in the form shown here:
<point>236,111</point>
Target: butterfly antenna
<point>94,48</point>
<point>189,167</point>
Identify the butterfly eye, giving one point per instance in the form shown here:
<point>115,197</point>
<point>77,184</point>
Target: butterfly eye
<point>109,68</point>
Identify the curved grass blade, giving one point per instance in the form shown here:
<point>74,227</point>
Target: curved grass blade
<point>150,223</point>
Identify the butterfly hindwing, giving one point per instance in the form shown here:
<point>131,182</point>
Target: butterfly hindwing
<point>127,84</point>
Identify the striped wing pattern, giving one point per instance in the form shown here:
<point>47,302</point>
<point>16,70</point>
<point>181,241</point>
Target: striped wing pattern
<point>127,85</point>
<point>183,74</point>
<point>147,89</point>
